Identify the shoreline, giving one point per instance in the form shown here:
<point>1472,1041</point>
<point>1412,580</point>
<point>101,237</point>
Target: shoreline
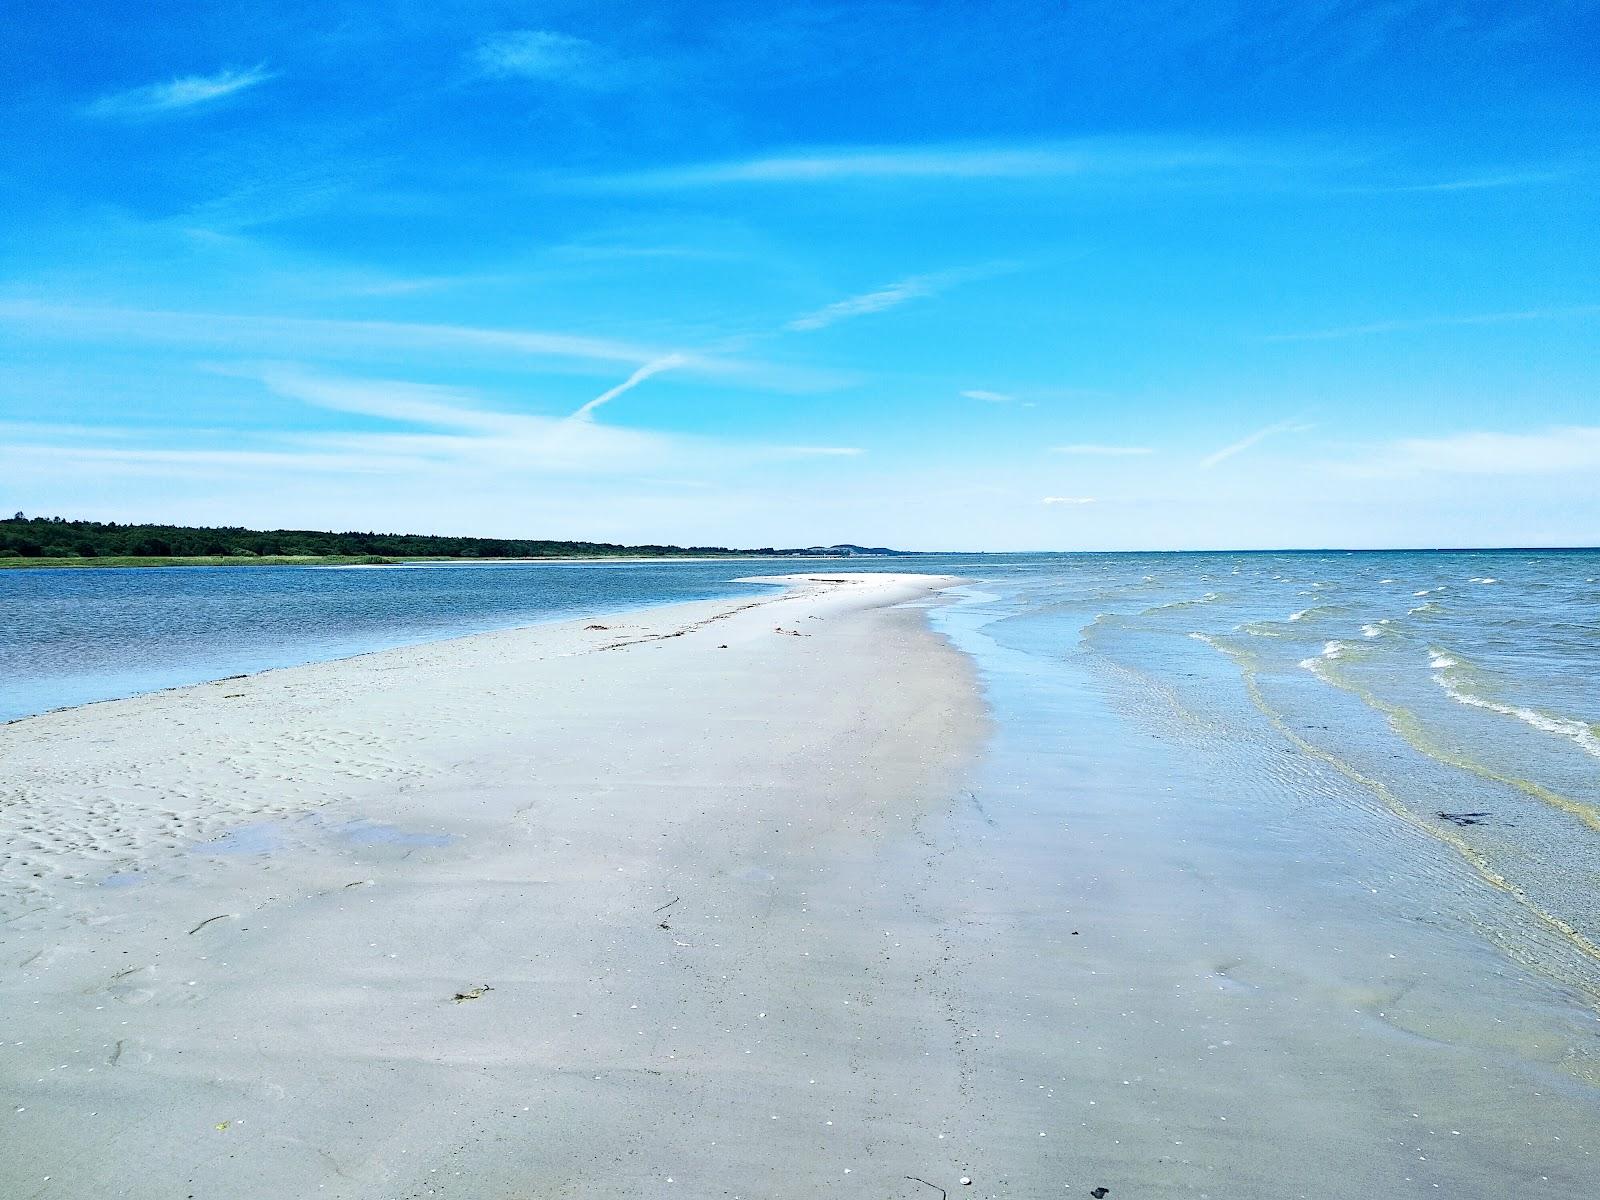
<point>494,905</point>
<point>440,638</point>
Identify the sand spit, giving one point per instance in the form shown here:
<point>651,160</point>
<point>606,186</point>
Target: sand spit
<point>617,907</point>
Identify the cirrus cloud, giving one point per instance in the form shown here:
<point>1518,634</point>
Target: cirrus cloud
<point>177,95</point>
<point>546,55</point>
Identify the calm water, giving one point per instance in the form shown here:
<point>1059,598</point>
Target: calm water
<point>75,636</point>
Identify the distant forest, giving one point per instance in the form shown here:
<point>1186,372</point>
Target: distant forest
<point>56,537</point>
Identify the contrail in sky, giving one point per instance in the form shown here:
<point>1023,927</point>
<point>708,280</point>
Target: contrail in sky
<point>631,382</point>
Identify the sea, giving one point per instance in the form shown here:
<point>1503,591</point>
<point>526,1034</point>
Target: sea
<point>1319,832</point>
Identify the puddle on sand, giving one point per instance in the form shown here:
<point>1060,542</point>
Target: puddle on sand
<point>260,837</point>
<point>124,879</point>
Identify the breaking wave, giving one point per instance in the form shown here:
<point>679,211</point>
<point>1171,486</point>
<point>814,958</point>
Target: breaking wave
<point>1457,679</point>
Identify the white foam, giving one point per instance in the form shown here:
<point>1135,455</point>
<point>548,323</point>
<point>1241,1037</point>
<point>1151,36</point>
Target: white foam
<point>1208,598</point>
<point>1574,730</point>
<point>1330,651</point>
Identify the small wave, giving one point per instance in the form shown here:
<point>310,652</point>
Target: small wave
<point>1372,631</point>
<point>1449,677</point>
<point>1298,616</point>
<point>1429,607</point>
<point>1429,591</point>
<point>1485,579</point>
<point>1331,652</point>
<point>1208,598</point>
<point>1388,581</point>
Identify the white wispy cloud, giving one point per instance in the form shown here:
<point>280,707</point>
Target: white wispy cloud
<point>1473,183</point>
<point>913,287</point>
<point>1083,158</point>
<point>1250,440</point>
<point>443,442</point>
<point>989,397</point>
<point>255,331</point>
<point>400,341</point>
<point>1093,449</point>
<point>473,432</point>
<point>1407,324</point>
<point>1068,500</point>
<point>543,54</point>
<point>1559,450</point>
<point>390,399</point>
<point>211,462</point>
<point>896,294</point>
<point>664,363</point>
<point>177,95</point>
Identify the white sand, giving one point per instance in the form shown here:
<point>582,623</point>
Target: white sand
<point>680,854</point>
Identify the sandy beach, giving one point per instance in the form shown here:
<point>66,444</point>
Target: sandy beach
<point>613,907</point>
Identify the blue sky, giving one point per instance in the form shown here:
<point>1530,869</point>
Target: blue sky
<point>1002,276</point>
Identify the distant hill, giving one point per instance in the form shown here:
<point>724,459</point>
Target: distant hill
<point>23,537</point>
<point>844,550</point>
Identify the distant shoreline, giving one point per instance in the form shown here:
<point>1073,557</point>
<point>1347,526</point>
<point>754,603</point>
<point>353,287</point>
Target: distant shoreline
<point>379,560</point>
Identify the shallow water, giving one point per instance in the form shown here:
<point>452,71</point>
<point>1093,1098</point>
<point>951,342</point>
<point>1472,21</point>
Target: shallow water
<point>71,637</point>
<point>1445,704</point>
<point>1231,945</point>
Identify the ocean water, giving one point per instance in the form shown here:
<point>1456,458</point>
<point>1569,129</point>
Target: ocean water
<point>1279,876</point>
<point>71,637</point>
<point>1444,702</point>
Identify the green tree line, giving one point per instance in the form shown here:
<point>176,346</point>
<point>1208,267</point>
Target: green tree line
<point>56,537</point>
